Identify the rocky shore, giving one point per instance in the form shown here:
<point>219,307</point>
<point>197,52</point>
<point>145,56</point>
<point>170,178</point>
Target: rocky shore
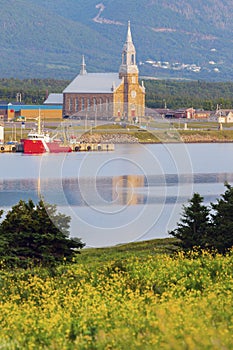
<point>109,138</point>
<point>198,138</point>
<point>117,138</point>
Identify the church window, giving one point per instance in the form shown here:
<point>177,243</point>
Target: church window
<point>70,105</point>
<point>124,57</point>
<point>88,104</point>
<point>133,111</point>
<point>76,104</point>
<point>94,104</point>
<point>132,59</point>
<point>107,104</point>
<point>133,80</point>
<point>83,104</point>
<point>101,103</point>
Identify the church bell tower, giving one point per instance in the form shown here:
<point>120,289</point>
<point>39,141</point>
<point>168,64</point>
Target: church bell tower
<point>134,94</point>
<point>128,63</point>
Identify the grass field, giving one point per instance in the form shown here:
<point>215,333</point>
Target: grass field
<point>135,296</point>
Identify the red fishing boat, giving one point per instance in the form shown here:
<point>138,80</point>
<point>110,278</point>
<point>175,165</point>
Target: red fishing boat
<point>40,142</point>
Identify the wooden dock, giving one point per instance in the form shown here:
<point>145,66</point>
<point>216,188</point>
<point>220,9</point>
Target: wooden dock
<point>77,147</point>
<point>88,147</point>
<point>8,148</point>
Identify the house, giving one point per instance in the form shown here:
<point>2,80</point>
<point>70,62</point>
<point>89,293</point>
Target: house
<point>189,113</point>
<point>225,116</point>
<point>180,113</point>
<point>200,114</point>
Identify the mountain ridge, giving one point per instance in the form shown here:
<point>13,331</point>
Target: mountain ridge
<point>185,40</point>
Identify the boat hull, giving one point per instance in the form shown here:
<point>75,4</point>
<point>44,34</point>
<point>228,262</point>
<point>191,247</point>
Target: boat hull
<point>55,147</point>
<point>39,147</point>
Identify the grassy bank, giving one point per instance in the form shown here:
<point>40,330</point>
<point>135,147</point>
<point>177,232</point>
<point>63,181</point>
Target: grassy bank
<point>164,132</point>
<point>154,133</point>
<point>206,135</point>
<point>134,296</point>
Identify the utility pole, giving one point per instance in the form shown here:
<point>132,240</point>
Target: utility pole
<point>18,97</point>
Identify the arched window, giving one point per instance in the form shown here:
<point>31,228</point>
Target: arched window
<point>107,104</point>
<point>83,104</point>
<point>94,104</point>
<point>70,104</point>
<point>124,58</point>
<point>101,103</point>
<point>76,104</point>
<point>132,107</point>
<point>132,59</point>
<point>88,104</point>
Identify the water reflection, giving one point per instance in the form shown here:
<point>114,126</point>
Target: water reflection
<point>115,190</point>
<point>135,192</point>
<point>124,190</point>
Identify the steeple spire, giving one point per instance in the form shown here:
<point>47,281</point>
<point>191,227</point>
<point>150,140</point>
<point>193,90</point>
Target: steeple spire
<point>128,64</point>
<point>129,36</point>
<point>83,66</point>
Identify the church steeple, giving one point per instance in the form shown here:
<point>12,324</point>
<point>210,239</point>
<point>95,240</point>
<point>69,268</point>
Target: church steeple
<point>129,36</point>
<point>83,67</point>
<point>128,63</point>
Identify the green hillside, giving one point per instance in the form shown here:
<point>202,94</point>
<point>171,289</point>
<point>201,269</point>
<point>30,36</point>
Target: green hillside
<point>47,38</point>
<point>38,43</point>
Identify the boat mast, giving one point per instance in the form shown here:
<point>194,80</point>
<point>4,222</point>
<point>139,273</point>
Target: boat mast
<point>39,124</point>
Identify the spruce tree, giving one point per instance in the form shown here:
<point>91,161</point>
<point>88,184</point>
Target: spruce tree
<point>221,233</point>
<point>36,234</point>
<point>194,225</point>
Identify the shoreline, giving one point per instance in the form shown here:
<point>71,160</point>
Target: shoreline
<point>212,141</point>
<point>154,136</point>
<point>150,139</point>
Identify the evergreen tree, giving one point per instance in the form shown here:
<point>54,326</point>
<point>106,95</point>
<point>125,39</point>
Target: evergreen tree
<point>221,234</point>
<point>194,225</point>
<point>36,234</point>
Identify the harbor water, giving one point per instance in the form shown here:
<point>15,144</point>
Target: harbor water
<point>135,192</point>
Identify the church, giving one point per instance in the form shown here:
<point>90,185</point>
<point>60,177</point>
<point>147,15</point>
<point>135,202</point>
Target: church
<point>110,95</point>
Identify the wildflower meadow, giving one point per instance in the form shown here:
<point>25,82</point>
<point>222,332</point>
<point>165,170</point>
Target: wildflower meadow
<point>120,299</point>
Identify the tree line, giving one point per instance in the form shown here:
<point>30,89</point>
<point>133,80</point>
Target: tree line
<point>159,93</point>
<point>197,94</point>
<point>29,91</point>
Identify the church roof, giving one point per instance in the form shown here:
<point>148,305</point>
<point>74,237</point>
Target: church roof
<point>94,83</point>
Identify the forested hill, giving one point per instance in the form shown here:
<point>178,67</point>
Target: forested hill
<point>178,39</point>
<point>197,94</point>
<point>176,94</point>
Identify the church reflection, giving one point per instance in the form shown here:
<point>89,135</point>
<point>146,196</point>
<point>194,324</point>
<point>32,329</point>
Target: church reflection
<point>125,190</point>
<point>119,190</point>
